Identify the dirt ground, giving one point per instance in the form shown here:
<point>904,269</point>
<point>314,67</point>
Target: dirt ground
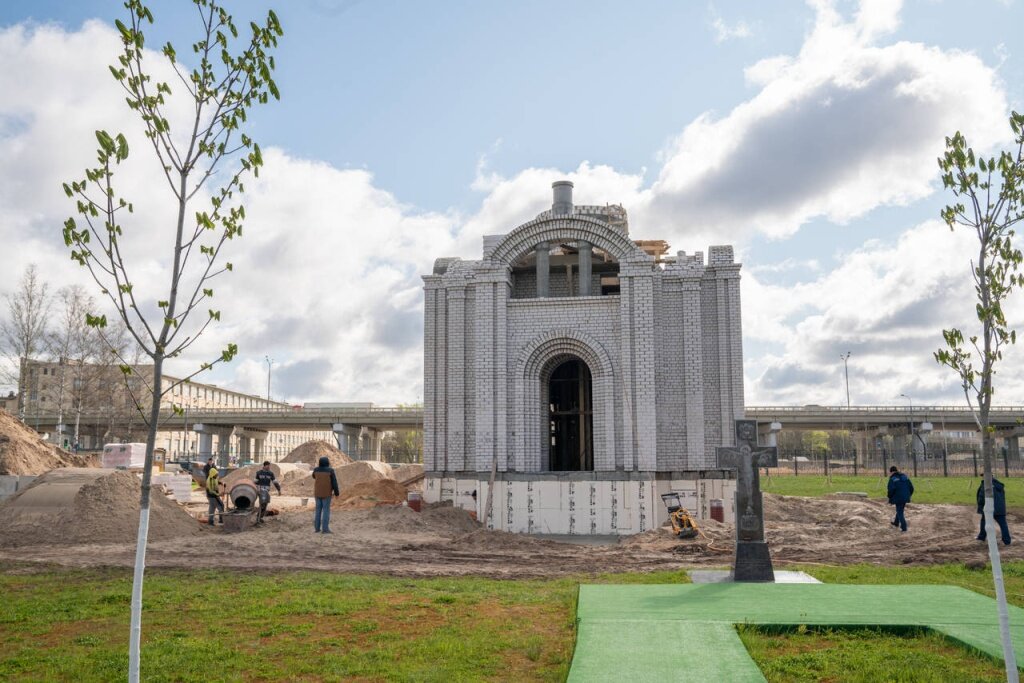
<point>442,541</point>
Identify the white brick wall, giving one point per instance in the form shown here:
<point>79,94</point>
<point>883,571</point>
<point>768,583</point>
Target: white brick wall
<point>665,356</point>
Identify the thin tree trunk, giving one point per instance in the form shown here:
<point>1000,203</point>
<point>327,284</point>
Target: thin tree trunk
<point>134,646</point>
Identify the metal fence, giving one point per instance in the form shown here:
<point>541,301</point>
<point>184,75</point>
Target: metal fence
<point>934,464</point>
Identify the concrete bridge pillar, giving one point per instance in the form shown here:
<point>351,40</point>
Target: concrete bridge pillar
<point>371,441</point>
<point>244,449</point>
<point>348,438</point>
<point>259,446</point>
<point>206,433</point>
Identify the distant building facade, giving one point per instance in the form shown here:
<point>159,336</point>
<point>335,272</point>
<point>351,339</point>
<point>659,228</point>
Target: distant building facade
<point>102,395</point>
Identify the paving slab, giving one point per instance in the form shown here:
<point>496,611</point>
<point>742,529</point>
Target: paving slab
<point>725,576</point>
<point>686,632</point>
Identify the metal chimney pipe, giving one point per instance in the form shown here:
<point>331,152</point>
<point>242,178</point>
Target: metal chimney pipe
<point>562,190</point>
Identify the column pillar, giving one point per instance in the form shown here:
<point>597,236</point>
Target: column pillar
<point>543,269</point>
<point>205,445</point>
<point>348,439</point>
<point>257,449</point>
<point>586,260</point>
<point>1012,448</point>
<point>243,449</point>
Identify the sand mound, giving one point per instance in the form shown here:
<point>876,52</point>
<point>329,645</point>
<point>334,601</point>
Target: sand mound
<point>285,473</point>
<point>369,494</point>
<point>23,452</point>
<point>405,473</point>
<point>311,452</point>
<point>449,518</point>
<point>86,506</point>
<point>348,476</point>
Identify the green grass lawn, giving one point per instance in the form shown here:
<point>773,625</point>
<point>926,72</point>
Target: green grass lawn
<point>960,490</point>
<point>63,625</point>
<point>864,655</point>
<point>67,625</point>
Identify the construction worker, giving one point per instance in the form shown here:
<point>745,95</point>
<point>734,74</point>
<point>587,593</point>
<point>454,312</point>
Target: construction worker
<point>900,490</point>
<point>213,493</point>
<point>264,478</point>
<point>998,512</point>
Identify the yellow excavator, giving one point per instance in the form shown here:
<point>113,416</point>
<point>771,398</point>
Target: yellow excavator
<point>683,525</point>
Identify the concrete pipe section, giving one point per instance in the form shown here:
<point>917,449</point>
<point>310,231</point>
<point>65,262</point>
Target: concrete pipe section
<point>244,497</point>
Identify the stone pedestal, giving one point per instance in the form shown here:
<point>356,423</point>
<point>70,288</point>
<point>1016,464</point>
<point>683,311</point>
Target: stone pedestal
<point>753,562</point>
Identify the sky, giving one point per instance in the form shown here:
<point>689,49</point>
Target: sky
<point>803,133</point>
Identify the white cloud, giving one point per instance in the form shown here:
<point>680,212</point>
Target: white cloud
<point>841,128</point>
<point>327,277</point>
<point>887,303</point>
<point>724,31</point>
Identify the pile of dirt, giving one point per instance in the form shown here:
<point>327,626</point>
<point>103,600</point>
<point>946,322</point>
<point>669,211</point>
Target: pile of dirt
<point>23,452</point>
<point>403,473</point>
<point>73,506</point>
<point>370,494</point>
<point>348,476</point>
<point>286,473</point>
<point>447,517</point>
<point>311,452</point>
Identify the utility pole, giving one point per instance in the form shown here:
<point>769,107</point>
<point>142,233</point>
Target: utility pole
<point>846,371</point>
<point>910,428</point>
<point>270,362</point>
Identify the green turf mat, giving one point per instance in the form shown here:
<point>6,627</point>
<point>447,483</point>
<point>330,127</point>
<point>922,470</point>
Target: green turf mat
<point>685,632</point>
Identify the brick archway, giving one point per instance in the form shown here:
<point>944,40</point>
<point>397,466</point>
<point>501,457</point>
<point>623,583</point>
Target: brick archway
<point>533,369</point>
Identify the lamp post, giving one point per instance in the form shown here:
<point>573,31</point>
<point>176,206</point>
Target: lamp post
<point>910,428</point>
<point>846,372</point>
<point>270,362</point>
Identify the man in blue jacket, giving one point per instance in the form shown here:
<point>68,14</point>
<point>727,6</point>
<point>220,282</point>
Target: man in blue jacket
<point>998,509</point>
<point>900,491</point>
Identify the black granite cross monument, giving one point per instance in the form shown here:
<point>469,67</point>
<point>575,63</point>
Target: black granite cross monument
<point>752,562</point>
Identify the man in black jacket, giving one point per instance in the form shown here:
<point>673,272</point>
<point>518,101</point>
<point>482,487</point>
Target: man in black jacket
<point>264,478</point>
<point>900,491</point>
<point>998,509</point>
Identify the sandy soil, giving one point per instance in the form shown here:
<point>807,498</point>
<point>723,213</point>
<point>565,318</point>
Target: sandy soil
<point>442,541</point>
<point>23,452</point>
<point>311,451</point>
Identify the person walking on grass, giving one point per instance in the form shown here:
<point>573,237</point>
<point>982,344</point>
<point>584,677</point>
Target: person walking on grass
<point>998,509</point>
<point>900,491</point>
<point>213,494</point>
<point>324,484</point>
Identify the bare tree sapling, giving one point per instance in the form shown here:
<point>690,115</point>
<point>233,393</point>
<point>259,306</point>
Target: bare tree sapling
<point>204,159</point>
<point>989,202</point>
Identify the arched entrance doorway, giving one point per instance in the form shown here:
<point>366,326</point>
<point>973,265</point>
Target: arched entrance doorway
<point>571,417</point>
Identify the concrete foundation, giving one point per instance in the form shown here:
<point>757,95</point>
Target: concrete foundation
<point>581,503</point>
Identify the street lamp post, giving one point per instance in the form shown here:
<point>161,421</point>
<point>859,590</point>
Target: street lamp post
<point>846,372</point>
<point>270,362</point>
<point>910,430</point>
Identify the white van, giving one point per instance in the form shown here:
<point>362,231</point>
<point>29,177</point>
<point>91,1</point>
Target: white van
<point>124,455</point>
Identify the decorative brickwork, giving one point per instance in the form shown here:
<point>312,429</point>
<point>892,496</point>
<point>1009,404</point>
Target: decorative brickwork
<point>664,351</point>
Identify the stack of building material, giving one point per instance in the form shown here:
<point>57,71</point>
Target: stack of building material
<point>179,485</point>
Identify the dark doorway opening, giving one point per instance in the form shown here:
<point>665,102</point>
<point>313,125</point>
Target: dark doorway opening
<point>571,418</point>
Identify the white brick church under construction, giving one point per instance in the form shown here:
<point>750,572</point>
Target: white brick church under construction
<point>582,372</point>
